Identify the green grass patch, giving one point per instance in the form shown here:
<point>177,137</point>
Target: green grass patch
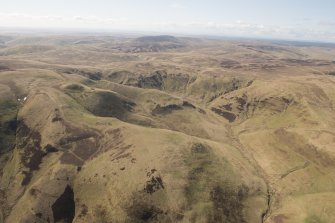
<point>75,87</point>
<point>314,219</point>
<point>212,189</point>
<point>8,113</point>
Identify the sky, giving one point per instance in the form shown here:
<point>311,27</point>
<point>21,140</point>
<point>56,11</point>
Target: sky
<point>280,19</point>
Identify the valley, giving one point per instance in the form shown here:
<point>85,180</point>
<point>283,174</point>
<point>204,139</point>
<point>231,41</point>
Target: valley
<point>166,129</point>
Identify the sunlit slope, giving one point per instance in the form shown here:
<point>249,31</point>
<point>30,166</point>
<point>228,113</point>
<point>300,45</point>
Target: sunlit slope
<point>114,171</point>
<point>288,126</point>
<point>103,129</point>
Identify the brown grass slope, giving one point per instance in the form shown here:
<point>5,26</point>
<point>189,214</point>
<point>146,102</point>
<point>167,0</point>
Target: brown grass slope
<point>95,130</point>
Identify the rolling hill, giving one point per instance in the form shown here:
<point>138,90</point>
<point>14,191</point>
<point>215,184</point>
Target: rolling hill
<point>166,129</point>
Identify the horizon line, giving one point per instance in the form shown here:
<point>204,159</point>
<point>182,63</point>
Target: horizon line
<point>11,30</point>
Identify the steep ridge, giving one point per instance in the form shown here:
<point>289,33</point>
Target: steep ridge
<point>69,162</point>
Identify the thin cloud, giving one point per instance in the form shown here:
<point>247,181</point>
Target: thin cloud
<point>320,31</point>
<point>327,23</point>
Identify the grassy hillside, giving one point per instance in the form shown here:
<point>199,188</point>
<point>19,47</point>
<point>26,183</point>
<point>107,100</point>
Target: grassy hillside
<point>165,129</point>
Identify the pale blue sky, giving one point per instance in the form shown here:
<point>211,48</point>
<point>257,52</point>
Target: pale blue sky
<point>290,19</point>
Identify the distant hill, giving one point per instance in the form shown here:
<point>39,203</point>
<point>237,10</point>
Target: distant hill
<point>304,43</point>
<point>157,39</point>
